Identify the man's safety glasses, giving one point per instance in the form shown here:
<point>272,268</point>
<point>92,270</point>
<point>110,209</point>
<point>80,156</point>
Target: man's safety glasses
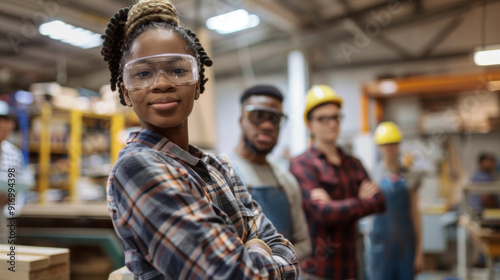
<point>329,119</point>
<point>258,115</point>
<point>144,72</point>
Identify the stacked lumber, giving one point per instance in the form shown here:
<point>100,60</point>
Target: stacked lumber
<point>33,263</point>
<point>121,274</point>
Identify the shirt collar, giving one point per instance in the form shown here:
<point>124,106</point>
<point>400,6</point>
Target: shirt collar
<point>318,153</point>
<point>162,144</point>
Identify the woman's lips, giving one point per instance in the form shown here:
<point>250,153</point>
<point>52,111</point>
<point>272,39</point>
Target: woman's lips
<point>165,106</point>
<point>164,103</point>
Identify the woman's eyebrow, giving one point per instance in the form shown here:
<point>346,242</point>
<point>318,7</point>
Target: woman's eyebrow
<point>153,61</point>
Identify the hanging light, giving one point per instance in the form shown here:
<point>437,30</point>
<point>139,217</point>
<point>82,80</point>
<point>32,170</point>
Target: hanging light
<point>70,34</point>
<point>232,22</point>
<point>487,56</point>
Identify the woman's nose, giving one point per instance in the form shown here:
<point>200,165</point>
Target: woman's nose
<point>162,81</point>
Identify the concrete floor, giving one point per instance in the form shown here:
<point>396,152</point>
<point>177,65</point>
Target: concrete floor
<point>436,275</point>
<point>475,274</point>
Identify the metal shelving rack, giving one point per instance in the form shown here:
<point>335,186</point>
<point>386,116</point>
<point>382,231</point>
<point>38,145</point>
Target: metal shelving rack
<point>117,124</point>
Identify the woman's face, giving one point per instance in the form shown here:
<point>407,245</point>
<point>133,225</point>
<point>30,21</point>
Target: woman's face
<point>325,123</point>
<point>163,105</point>
<point>389,151</point>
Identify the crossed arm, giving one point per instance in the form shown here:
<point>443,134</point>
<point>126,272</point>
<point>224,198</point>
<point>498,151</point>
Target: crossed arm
<point>159,216</point>
<point>328,211</point>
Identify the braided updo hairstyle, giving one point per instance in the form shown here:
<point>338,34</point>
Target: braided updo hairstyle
<point>128,23</point>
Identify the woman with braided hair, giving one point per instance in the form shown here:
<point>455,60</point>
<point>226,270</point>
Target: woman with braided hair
<point>179,212</point>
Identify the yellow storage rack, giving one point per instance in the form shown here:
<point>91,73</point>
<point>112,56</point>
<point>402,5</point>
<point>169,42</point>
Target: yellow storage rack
<point>117,124</point>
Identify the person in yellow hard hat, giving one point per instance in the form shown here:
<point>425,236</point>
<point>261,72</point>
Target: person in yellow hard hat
<point>336,191</point>
<point>395,245</point>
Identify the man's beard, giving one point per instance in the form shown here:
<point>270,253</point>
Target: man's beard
<point>251,147</point>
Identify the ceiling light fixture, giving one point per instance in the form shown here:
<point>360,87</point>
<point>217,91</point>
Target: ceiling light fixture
<point>232,22</point>
<point>70,34</point>
<point>487,56</point>
<point>388,87</point>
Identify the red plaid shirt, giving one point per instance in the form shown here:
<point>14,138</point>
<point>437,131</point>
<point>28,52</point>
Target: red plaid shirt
<point>333,226</point>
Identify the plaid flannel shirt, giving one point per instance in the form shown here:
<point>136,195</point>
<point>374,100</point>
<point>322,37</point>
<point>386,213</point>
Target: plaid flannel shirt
<point>186,215</point>
<point>333,226</point>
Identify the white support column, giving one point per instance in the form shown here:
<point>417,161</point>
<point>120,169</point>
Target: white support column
<point>462,253</point>
<point>298,71</point>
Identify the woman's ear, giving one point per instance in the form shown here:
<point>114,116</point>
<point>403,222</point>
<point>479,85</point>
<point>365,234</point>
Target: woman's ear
<point>198,87</point>
<point>198,91</point>
<point>126,97</point>
<point>308,126</point>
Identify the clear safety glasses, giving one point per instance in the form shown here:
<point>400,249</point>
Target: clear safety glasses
<point>144,72</point>
<point>258,115</point>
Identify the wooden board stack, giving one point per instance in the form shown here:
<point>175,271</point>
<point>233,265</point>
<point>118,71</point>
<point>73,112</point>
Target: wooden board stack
<point>121,274</point>
<point>34,263</point>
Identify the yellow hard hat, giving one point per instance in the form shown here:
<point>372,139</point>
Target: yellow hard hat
<point>387,133</point>
<point>320,94</point>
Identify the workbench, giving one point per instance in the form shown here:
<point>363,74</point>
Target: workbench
<point>486,240</point>
<point>87,224</point>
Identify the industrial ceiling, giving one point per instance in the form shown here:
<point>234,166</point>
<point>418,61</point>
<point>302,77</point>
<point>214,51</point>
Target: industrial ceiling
<point>334,34</point>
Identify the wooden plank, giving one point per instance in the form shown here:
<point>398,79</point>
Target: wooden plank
<point>60,276</point>
<point>25,275</point>
<point>24,262</point>
<point>57,272</point>
<point>493,214</point>
<point>475,229</point>
<point>55,255</point>
<point>96,210</point>
<point>59,269</point>
<point>493,248</point>
<point>121,274</point>
<point>485,239</point>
